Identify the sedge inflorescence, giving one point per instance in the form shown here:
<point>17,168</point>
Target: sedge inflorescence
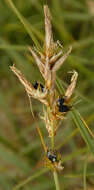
<point>56,106</point>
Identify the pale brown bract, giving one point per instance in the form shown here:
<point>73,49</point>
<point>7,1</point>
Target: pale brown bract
<point>72,86</point>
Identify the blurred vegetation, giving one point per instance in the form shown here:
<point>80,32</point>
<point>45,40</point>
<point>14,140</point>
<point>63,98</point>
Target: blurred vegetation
<point>20,146</point>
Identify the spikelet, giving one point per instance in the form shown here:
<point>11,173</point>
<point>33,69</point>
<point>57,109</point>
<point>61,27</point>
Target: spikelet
<point>48,63</point>
<point>31,91</point>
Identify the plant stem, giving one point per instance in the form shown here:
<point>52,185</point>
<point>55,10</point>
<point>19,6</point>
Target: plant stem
<point>52,141</point>
<point>84,173</point>
<point>56,180</point>
<point>54,172</point>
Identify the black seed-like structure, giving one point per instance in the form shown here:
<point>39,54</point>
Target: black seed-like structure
<point>52,156</point>
<point>62,106</point>
<point>38,85</point>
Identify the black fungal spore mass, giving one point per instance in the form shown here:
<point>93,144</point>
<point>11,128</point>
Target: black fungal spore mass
<point>39,86</point>
<point>52,156</point>
<point>62,106</point>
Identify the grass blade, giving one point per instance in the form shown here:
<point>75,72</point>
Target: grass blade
<point>26,24</point>
<point>30,178</point>
<point>83,130</point>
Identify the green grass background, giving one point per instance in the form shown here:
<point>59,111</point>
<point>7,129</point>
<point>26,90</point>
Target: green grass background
<point>20,146</point>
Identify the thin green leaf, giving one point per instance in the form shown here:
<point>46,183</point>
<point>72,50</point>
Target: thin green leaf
<point>74,154</point>
<point>26,24</point>
<point>59,85</point>
<point>14,47</point>
<point>83,130</point>
<point>13,159</point>
<point>30,178</point>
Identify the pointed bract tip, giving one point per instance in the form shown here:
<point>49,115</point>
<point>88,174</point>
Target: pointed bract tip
<point>46,8</point>
<point>29,47</point>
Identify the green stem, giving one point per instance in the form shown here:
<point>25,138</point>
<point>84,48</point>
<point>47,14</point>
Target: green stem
<point>56,180</point>
<point>54,172</point>
<point>52,141</point>
<point>29,179</point>
<point>85,169</point>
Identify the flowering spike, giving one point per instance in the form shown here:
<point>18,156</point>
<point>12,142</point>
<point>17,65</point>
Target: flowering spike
<point>56,106</point>
<point>49,62</point>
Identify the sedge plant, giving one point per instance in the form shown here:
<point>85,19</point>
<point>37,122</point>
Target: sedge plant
<point>55,105</point>
<point>73,24</point>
